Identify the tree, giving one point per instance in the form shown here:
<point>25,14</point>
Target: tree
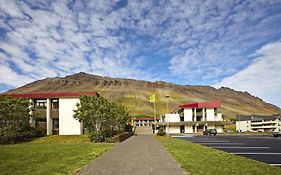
<point>14,120</point>
<point>101,118</point>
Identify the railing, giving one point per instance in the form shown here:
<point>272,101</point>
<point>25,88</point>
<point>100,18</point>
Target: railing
<point>261,123</point>
<point>267,126</point>
<point>55,113</point>
<point>41,113</point>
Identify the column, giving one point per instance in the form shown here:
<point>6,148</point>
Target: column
<point>195,128</point>
<point>195,118</point>
<point>30,107</point>
<point>203,114</point>
<point>49,119</point>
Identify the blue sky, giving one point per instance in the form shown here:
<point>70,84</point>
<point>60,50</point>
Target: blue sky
<point>218,43</point>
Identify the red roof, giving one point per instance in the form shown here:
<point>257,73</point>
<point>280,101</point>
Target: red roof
<point>211,104</point>
<point>51,95</point>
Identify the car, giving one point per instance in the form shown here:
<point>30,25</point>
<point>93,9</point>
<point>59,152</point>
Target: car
<point>210,132</point>
<point>276,133</point>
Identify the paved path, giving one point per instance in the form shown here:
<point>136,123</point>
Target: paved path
<point>140,154</point>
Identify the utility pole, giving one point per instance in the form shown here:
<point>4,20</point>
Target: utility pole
<point>154,117</point>
<point>168,127</point>
<point>239,125</point>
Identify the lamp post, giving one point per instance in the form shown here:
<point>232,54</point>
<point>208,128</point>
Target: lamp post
<point>167,97</point>
<point>239,125</point>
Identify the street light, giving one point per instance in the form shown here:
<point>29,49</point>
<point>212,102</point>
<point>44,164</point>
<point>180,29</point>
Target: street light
<point>167,96</point>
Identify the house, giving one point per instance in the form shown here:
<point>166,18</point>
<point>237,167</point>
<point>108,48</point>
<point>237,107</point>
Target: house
<point>258,123</point>
<point>54,111</point>
<point>194,118</point>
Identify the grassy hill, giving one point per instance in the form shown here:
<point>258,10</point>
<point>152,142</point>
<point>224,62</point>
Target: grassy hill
<point>134,94</point>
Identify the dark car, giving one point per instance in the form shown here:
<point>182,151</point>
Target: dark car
<point>276,133</point>
<point>210,132</point>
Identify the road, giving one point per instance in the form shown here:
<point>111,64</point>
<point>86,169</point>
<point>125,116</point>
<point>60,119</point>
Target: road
<point>264,148</point>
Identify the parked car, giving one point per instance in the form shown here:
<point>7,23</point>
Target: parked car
<point>276,133</point>
<point>210,132</point>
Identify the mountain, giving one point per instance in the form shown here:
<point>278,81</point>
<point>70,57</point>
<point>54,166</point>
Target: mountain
<point>134,94</point>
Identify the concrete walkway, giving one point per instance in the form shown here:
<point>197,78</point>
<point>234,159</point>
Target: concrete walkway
<point>140,154</point>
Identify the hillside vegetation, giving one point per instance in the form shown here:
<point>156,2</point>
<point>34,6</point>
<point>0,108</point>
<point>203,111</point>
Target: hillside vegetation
<point>134,94</point>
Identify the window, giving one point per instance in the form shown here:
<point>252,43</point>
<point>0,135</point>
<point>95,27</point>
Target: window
<point>55,124</point>
<point>41,103</point>
<point>55,103</point>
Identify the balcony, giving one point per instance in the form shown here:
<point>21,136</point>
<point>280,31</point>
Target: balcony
<point>55,113</point>
<point>264,127</point>
<point>41,113</point>
<point>262,123</point>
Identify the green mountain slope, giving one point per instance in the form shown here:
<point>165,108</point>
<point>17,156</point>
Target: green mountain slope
<point>134,94</point>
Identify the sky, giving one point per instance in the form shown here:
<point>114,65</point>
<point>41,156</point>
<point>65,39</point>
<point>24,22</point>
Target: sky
<point>232,43</point>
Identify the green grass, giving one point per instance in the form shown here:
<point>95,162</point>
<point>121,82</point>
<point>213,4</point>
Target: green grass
<point>62,139</point>
<point>49,155</point>
<point>201,160</point>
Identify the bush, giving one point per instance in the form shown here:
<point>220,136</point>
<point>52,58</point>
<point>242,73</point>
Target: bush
<point>112,139</point>
<point>101,136</point>
<point>102,118</point>
<point>161,132</point>
<point>9,136</point>
<point>14,121</point>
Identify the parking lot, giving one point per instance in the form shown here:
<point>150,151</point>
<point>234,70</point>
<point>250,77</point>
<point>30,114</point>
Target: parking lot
<point>264,148</point>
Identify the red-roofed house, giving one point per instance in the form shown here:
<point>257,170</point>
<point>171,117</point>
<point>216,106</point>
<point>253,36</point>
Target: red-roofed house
<point>55,111</point>
<point>194,118</point>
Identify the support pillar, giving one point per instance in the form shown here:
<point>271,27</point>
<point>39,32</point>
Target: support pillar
<point>49,119</point>
<point>30,107</point>
<point>203,115</point>
<point>195,128</point>
<point>195,118</point>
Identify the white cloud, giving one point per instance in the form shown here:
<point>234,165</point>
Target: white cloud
<point>263,77</point>
<point>203,40</point>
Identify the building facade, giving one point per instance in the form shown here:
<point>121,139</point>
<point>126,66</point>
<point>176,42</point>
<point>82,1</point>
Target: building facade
<point>257,123</point>
<point>194,118</point>
<point>144,121</point>
<point>54,111</point>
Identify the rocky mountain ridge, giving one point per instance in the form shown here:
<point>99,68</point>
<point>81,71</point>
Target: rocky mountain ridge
<point>134,94</point>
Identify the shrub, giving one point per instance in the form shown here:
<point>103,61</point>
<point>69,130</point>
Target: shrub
<point>102,118</point>
<point>161,132</point>
<point>8,136</point>
<point>101,136</point>
<point>97,136</point>
<point>112,139</point>
<point>14,121</point>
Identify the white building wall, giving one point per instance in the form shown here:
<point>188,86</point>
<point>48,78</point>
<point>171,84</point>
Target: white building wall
<point>173,129</point>
<point>210,113</point>
<point>188,129</point>
<point>218,117</point>
<point>187,114</point>
<point>243,126</point>
<point>219,129</point>
<point>172,118</point>
<point>211,127</point>
<point>68,125</point>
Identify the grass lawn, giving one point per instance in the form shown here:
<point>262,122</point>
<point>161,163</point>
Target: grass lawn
<point>49,155</point>
<point>198,159</point>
